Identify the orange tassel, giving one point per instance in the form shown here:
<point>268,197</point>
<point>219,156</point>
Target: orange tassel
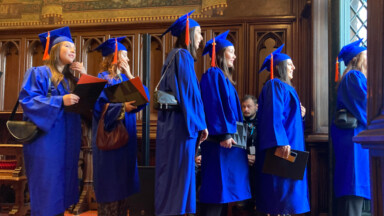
<point>213,60</point>
<point>115,56</point>
<point>46,54</point>
<point>271,66</point>
<point>187,32</point>
<point>337,70</point>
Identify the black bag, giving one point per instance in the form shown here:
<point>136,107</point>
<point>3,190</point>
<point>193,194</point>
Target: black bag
<point>22,131</point>
<point>163,100</point>
<point>345,119</point>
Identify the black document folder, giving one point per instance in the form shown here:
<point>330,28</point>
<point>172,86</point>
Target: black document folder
<point>278,166</point>
<point>88,88</point>
<point>131,90</point>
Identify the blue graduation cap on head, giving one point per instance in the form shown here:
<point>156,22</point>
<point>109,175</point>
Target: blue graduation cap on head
<point>182,24</point>
<point>109,46</point>
<point>216,44</point>
<point>273,59</point>
<point>50,38</point>
<point>347,53</point>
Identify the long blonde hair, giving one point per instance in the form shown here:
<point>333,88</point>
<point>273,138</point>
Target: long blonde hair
<point>52,63</point>
<point>355,64</point>
<point>106,64</point>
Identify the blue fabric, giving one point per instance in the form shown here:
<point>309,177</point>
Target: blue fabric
<point>351,175</point>
<point>51,159</point>
<point>349,51</point>
<point>221,42</point>
<point>115,174</point>
<point>177,131</point>
<point>277,58</point>
<point>56,36</point>
<point>108,47</point>
<point>280,124</point>
<point>180,24</point>
<point>224,172</point>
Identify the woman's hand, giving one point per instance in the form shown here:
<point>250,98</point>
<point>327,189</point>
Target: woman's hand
<point>70,99</point>
<point>204,135</point>
<point>198,160</point>
<point>129,106</point>
<point>302,111</point>
<point>283,151</point>
<point>78,67</point>
<point>251,159</point>
<point>227,143</point>
<point>125,66</point>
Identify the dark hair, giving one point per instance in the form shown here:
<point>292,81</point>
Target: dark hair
<point>180,42</point>
<point>222,64</point>
<point>247,97</point>
<point>281,72</point>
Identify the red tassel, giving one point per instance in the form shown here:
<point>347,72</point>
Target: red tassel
<point>115,56</point>
<point>271,66</point>
<point>337,70</point>
<point>213,59</point>
<point>187,32</point>
<point>46,54</point>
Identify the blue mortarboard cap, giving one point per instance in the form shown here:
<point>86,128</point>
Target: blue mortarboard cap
<point>179,25</point>
<point>108,47</point>
<point>277,58</point>
<point>348,52</point>
<point>56,36</point>
<point>221,42</point>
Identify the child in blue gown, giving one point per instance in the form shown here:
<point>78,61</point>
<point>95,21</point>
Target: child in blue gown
<point>115,174</point>
<point>51,160</point>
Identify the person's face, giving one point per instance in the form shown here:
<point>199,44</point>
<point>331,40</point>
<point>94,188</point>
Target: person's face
<point>290,68</point>
<point>67,52</point>
<point>198,37</point>
<point>230,56</point>
<point>249,108</point>
<point>124,57</point>
<point>364,59</point>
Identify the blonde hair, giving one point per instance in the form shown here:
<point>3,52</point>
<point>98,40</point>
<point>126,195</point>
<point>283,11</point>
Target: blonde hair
<point>355,64</point>
<point>106,64</point>
<point>57,76</point>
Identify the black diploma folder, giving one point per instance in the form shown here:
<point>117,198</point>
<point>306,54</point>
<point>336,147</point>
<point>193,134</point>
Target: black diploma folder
<point>88,88</point>
<point>278,166</point>
<point>131,90</point>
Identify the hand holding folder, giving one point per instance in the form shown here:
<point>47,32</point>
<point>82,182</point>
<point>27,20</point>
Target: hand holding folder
<point>88,88</point>
<point>293,167</point>
<point>131,90</point>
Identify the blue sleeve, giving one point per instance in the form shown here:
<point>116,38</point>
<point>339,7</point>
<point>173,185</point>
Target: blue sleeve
<point>188,93</point>
<point>271,118</point>
<point>352,94</point>
<point>215,93</point>
<point>38,106</point>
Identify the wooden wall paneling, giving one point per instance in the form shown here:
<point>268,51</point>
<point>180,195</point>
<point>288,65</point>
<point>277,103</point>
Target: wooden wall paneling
<point>34,55</point>
<point>91,59</point>
<point>157,50</point>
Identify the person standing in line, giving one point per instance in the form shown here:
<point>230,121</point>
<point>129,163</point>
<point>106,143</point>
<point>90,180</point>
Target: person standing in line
<point>280,127</point>
<point>51,159</point>
<point>115,174</point>
<point>178,127</point>
<point>224,168</point>
<point>351,176</point>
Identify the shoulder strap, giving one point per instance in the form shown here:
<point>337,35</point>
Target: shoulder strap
<point>166,69</point>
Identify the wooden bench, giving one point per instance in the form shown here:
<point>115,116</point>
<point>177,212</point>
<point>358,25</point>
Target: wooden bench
<point>12,173</point>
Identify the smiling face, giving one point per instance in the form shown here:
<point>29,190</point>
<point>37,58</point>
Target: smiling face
<point>197,37</point>
<point>67,52</point>
<point>230,56</point>
<point>290,69</point>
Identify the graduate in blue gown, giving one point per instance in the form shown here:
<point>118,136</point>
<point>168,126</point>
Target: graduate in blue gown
<point>115,174</point>
<point>224,169</point>
<point>51,159</point>
<point>177,130</point>
<point>351,176</point>
<point>281,127</point>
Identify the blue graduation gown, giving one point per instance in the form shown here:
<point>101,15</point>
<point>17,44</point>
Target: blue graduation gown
<point>280,124</point>
<point>51,159</point>
<point>224,172</point>
<point>177,132</point>
<point>351,175</point>
<point>115,174</point>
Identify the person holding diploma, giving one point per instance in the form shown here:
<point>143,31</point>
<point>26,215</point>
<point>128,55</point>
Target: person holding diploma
<point>177,130</point>
<point>224,168</point>
<point>115,174</point>
<point>51,159</point>
<point>280,127</point>
<point>351,179</point>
